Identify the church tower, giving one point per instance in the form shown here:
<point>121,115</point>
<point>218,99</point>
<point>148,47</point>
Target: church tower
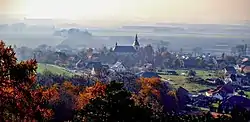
<point>136,44</point>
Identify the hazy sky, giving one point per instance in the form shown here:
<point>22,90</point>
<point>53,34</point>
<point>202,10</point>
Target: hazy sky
<point>190,11</point>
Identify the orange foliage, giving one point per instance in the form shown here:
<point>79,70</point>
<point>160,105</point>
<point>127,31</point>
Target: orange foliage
<point>149,87</point>
<point>69,88</point>
<point>51,94</point>
<point>17,93</point>
<point>90,93</point>
<point>173,94</point>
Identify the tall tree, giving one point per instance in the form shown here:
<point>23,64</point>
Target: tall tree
<point>197,51</point>
<point>149,51</point>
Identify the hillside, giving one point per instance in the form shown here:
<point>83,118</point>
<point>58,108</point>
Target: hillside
<point>54,69</point>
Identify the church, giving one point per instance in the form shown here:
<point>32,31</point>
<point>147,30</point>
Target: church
<point>127,50</point>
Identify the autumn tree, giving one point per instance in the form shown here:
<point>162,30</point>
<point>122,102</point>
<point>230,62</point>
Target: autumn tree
<point>19,97</point>
<point>65,103</point>
<point>115,105</point>
<point>149,93</point>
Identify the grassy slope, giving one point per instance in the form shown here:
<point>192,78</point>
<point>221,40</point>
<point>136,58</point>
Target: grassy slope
<point>54,69</point>
<point>181,80</point>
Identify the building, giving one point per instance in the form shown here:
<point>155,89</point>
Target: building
<point>118,67</point>
<point>127,50</point>
<point>228,70</point>
<point>95,67</point>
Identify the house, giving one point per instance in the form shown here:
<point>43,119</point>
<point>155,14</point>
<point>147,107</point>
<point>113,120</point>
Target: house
<point>227,90</point>
<point>127,50</point>
<point>245,69</point>
<point>170,72</point>
<point>148,67</point>
<point>94,56</point>
<point>245,66</point>
<point>217,115</point>
<point>96,70</point>
<point>217,96</point>
<point>222,91</point>
<point>96,67</point>
<point>221,63</point>
<point>200,100</point>
<point>190,62</point>
<point>228,104</point>
<point>105,66</point>
<point>228,70</point>
<point>91,64</point>
<point>118,67</point>
<point>79,64</point>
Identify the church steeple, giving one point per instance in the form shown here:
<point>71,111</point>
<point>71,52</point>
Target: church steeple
<point>136,44</point>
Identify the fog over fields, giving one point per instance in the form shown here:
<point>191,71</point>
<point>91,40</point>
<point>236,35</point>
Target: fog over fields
<point>212,37</point>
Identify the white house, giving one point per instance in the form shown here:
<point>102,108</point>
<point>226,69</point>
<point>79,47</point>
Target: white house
<point>218,96</point>
<point>118,67</point>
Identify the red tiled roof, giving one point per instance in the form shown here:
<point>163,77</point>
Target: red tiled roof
<point>245,59</point>
<point>246,69</point>
<point>216,115</point>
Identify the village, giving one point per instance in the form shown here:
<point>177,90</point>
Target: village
<point>206,82</point>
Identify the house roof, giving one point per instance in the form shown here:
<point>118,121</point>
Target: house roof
<point>148,74</point>
<point>246,63</point>
<point>217,115</point>
<point>244,59</point>
<point>246,69</point>
<point>117,64</point>
<point>79,63</point>
<point>220,61</point>
<point>172,72</point>
<point>238,100</point>
<point>105,66</point>
<point>124,49</point>
<point>231,69</point>
<point>94,64</point>
<point>225,88</point>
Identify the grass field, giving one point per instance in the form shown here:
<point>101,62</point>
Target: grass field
<point>248,94</point>
<point>53,69</point>
<point>180,81</point>
<point>201,73</point>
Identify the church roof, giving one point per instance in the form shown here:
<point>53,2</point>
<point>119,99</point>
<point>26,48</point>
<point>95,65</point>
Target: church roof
<point>136,43</point>
<point>124,49</point>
